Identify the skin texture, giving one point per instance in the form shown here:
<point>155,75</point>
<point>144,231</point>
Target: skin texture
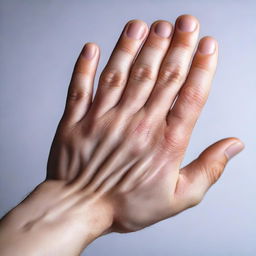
<point>115,161</point>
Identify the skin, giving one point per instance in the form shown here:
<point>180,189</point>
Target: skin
<point>115,161</point>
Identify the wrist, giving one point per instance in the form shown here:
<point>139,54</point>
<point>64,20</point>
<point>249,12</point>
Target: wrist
<point>54,219</point>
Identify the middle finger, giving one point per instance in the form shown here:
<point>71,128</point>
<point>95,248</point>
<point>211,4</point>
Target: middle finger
<point>146,66</point>
<point>175,66</point>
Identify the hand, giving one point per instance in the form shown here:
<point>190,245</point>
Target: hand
<point>115,161</point>
<point>126,146</point>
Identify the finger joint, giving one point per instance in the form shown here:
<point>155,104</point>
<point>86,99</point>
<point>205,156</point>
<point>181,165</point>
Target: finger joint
<point>142,73</point>
<point>171,74</point>
<point>112,78</point>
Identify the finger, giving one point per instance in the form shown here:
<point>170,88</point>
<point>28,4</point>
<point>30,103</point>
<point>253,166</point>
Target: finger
<point>198,176</point>
<point>80,90</point>
<point>146,66</point>
<point>175,66</point>
<point>115,74</point>
<point>193,95</point>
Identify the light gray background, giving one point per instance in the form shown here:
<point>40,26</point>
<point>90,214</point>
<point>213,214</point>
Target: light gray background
<point>40,41</point>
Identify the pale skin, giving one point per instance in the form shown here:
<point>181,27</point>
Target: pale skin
<point>115,164</point>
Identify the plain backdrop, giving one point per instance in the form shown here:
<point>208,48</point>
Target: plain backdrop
<point>40,41</point>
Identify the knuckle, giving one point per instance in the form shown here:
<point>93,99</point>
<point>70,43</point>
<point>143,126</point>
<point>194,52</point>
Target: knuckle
<point>138,147</point>
<point>75,95</point>
<point>193,95</point>
<point>183,44</point>
<point>171,74</point>
<point>156,45</point>
<point>214,171</point>
<point>140,137</point>
<point>127,49</point>
<point>122,189</point>
<point>142,73</point>
<point>112,78</point>
<point>175,141</point>
<point>202,68</point>
<point>195,198</point>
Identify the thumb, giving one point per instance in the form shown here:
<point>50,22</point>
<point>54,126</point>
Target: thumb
<point>198,176</point>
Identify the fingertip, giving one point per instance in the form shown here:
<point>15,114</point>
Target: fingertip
<point>217,149</point>
<point>187,23</point>
<point>188,16</point>
<point>208,45</point>
<point>90,50</point>
<point>141,22</point>
<point>235,147</point>
<point>230,140</point>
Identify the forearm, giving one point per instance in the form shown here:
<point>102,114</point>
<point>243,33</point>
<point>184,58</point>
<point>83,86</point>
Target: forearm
<point>53,220</point>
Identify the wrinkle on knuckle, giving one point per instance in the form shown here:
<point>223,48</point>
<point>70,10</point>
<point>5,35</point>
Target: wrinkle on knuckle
<point>214,171</point>
<point>75,95</point>
<point>202,68</point>
<point>142,73</point>
<point>177,116</point>
<point>126,49</point>
<point>175,142</point>
<point>155,45</point>
<point>112,78</point>
<point>193,96</point>
<point>183,44</point>
<point>170,74</point>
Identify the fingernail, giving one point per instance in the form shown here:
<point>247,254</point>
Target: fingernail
<point>89,51</point>
<point>187,24</point>
<point>234,149</point>
<point>135,30</point>
<point>207,46</point>
<point>163,29</point>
